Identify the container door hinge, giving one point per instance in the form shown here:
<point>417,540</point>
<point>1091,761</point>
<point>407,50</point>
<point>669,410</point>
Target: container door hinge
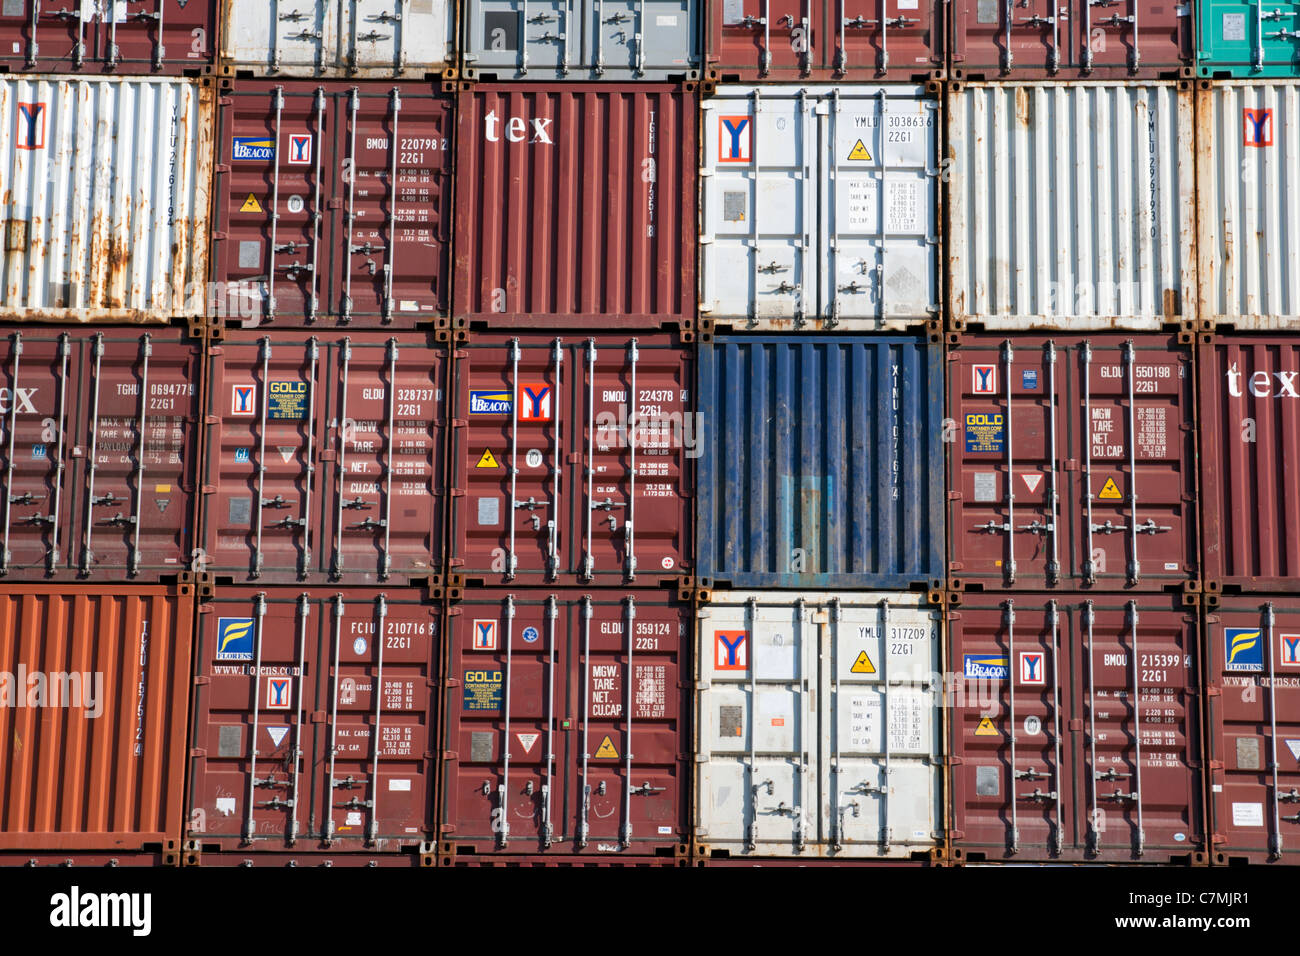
<point>1075,725</point>
<point>202,680</point>
<point>209,489</point>
<point>219,234</point>
<point>453,682</point>
<point>1213,690</point>
<point>450,755</point>
<point>1215,765</point>
<point>198,752</point>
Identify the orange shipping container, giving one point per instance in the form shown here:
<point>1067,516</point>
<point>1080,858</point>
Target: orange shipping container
<point>94,691</point>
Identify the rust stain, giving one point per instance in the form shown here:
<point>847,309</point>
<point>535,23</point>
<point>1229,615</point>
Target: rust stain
<point>1023,107</point>
<point>1173,305</point>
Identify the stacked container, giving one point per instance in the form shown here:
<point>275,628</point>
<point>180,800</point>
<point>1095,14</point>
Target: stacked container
<point>1074,567</point>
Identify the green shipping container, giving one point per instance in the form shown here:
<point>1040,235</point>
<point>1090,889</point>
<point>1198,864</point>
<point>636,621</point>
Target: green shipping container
<point>1248,38</point>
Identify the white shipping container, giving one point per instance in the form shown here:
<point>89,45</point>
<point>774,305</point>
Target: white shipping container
<point>818,724</point>
<point>341,38</point>
<point>794,232</point>
<point>1248,183</point>
<point>1071,205</point>
<point>106,187</point>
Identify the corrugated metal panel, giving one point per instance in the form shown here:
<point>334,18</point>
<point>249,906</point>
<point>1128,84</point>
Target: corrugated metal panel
<point>615,40</point>
<point>575,205</point>
<point>1248,157</point>
<point>1048,39</point>
<point>325,38</point>
<point>792,212</point>
<point>817,722</point>
<point>1071,205</point>
<point>94,693</point>
<point>1247,38</point>
<point>1076,730</point>
<point>1250,435</point>
<point>106,186</point>
<point>853,40</point>
<point>822,462</point>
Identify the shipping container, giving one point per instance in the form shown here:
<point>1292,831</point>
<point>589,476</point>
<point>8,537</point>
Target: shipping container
<point>1071,205</point>
<point>821,463</point>
<point>564,729</point>
<point>1040,39</point>
<point>791,199</point>
<point>1249,435</point>
<point>394,39</point>
<point>1075,729</point>
<point>1073,463</point>
<point>171,37</point>
<point>249,857</point>
<point>309,231</point>
<point>1247,38</point>
<point>564,40</point>
<point>552,861</point>
<point>99,436</point>
<point>572,459</point>
<point>1253,661</point>
<point>817,726</point>
<point>106,185</point>
<point>754,41</point>
<point>1248,187</point>
<point>93,709</point>
<point>291,749</point>
<point>324,458</point>
<point>576,205</point>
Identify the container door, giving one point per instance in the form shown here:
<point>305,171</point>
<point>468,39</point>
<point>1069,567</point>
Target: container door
<point>388,36</point>
<point>1260,36</point>
<point>296,39</point>
<point>633,38</point>
<point>1131,36</point>
<point>44,35</point>
<point>766,39</point>
<point>757,200</point>
<point>524,39</point>
<point>877,37</point>
<point>997,37</point>
<point>140,36</point>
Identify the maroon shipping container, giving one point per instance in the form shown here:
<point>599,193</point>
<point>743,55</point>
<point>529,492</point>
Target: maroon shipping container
<point>1250,435</point>
<point>324,458</point>
<point>1051,759</point>
<point>1071,39</point>
<point>1099,435</point>
<point>562,862</point>
<point>99,437</point>
<point>823,40</point>
<point>307,231</point>
<point>1253,730</point>
<point>129,37</point>
<point>601,487</point>
<point>576,205</point>
<point>291,748</point>
<point>565,729</point>
<point>93,712</point>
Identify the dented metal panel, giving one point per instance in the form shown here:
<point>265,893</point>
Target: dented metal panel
<point>324,457</point>
<point>1248,185</point>
<point>401,39</point>
<point>817,722</point>
<point>106,185</point>
<point>94,761</point>
<point>798,231</point>
<point>1071,205</point>
<point>1076,730</point>
<point>292,748</point>
<point>564,724</point>
<point>576,205</point>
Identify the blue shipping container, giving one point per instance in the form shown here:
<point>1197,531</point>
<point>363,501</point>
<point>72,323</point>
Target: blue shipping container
<point>821,462</point>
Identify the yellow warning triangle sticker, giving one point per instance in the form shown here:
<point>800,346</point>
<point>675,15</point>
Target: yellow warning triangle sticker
<point>606,749</point>
<point>863,664</point>
<point>251,205</point>
<point>859,151</point>
<point>986,728</point>
<point>1109,490</point>
<point>487,460</point>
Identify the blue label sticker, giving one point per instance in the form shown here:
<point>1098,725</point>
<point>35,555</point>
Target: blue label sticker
<point>286,400</point>
<point>241,454</point>
<point>252,148</point>
<point>235,639</point>
<point>490,403</point>
<point>986,667</point>
<point>985,432</point>
<point>482,690</point>
<point>1243,649</point>
<point>530,635</point>
<point>38,451</point>
<point>1029,378</point>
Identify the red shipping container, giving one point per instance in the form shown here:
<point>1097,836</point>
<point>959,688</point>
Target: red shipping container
<point>1051,758</point>
<point>99,437</point>
<point>291,748</point>
<point>1250,432</point>
<point>324,457</point>
<point>307,230</point>
<point>602,488</point>
<point>1253,730</point>
<point>1098,434</point>
<point>576,205</point>
<point>151,37</point>
<point>1070,39</point>
<point>565,724</point>
<point>93,709</point>
<point>858,40</point>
